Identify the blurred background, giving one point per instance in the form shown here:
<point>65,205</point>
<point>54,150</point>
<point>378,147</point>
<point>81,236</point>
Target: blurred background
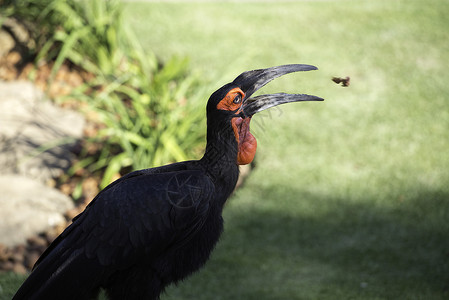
<point>347,199</point>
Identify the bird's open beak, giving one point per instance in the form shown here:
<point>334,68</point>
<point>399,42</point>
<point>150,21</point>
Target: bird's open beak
<point>251,81</point>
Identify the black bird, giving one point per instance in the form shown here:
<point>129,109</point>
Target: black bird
<point>156,226</point>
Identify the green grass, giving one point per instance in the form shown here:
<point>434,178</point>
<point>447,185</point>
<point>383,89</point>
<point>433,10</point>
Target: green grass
<point>350,197</point>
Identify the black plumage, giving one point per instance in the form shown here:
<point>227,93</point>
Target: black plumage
<point>156,226</point>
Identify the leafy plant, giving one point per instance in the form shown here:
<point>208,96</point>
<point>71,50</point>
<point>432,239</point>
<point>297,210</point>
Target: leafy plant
<point>142,104</point>
<point>147,124</point>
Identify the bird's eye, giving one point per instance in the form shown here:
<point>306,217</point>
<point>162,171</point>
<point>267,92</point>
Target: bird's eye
<point>238,99</point>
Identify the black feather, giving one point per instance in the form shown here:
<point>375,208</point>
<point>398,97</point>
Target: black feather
<point>155,226</point>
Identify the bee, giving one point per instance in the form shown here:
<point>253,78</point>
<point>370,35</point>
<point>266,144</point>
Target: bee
<point>344,81</point>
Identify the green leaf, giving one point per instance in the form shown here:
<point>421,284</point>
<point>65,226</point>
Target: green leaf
<point>68,46</point>
<point>114,167</point>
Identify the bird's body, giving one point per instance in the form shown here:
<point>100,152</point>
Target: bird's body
<point>148,229</point>
<point>156,226</point>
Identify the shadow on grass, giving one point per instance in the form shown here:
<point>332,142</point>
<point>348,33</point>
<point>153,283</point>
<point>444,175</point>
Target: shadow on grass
<point>351,251</point>
<point>347,251</point>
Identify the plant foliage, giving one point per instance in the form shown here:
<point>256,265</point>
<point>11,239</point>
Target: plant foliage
<point>142,104</point>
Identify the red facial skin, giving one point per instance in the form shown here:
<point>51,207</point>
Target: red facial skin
<point>247,143</point>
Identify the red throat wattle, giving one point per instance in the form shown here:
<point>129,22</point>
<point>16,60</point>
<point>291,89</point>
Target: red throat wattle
<point>247,143</point>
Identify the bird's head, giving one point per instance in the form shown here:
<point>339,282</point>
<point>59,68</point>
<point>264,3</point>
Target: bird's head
<point>234,105</point>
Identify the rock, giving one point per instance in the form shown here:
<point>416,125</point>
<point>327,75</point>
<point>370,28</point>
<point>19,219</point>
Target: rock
<point>28,207</point>
<point>8,266</point>
<point>19,31</point>
<point>35,134</point>
<point>31,258</point>
<point>6,43</point>
<point>20,249</point>
<point>37,242</point>
<point>17,257</point>
<point>72,213</point>
<point>53,233</point>
<point>19,268</point>
<point>5,253</point>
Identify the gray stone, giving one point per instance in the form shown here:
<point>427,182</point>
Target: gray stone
<point>30,124</point>
<point>35,141</point>
<point>28,207</point>
<point>6,43</point>
<point>19,32</point>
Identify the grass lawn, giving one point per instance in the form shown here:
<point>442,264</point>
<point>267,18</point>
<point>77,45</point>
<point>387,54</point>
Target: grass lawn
<point>350,197</point>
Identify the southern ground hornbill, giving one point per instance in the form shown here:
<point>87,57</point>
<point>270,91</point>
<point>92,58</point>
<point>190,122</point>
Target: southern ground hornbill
<point>156,226</point>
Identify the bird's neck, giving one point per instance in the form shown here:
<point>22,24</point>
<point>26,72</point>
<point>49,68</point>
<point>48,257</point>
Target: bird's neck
<point>220,157</point>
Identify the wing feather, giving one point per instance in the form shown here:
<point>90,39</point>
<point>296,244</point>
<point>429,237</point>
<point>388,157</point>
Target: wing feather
<point>132,220</point>
<point>141,215</point>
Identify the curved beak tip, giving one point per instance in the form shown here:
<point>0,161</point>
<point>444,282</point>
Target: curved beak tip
<point>251,81</point>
